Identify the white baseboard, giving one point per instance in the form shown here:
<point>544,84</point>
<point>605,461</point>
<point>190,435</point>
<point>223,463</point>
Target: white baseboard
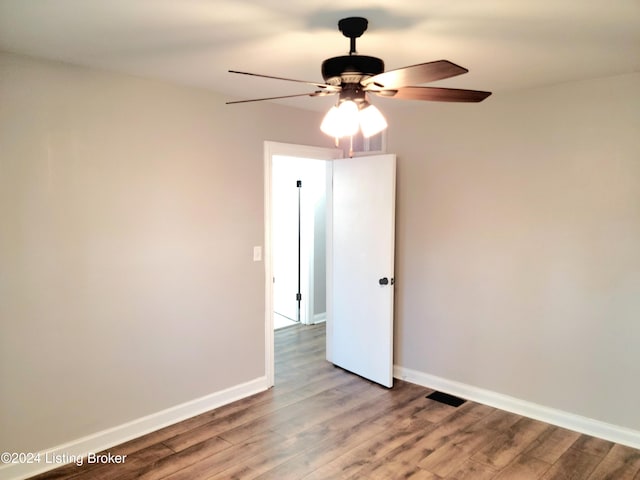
<point>122,433</point>
<point>560,418</point>
<point>320,317</point>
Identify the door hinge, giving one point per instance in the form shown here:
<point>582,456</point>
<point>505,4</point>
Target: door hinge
<point>298,297</point>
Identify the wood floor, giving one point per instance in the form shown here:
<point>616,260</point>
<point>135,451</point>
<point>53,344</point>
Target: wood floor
<point>320,422</point>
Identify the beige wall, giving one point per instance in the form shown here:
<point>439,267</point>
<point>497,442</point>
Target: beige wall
<point>518,245</point>
<point>128,213</point>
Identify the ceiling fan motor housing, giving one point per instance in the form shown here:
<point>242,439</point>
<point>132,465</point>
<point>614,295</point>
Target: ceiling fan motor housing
<point>350,69</point>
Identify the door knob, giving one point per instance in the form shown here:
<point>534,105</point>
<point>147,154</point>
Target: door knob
<point>383,281</point>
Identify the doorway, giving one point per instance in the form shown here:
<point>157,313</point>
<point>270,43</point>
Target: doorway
<point>360,222</point>
<point>295,249</point>
<point>298,240</point>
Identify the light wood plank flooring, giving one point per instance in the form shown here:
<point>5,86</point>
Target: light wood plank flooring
<point>321,422</point>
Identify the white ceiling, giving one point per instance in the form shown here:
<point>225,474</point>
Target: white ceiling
<point>506,44</point>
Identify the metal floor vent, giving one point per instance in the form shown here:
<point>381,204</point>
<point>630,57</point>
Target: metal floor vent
<point>446,398</point>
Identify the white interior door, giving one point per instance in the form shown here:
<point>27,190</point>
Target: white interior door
<point>362,233</point>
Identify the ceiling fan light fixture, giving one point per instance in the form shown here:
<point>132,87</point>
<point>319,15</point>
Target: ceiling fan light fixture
<point>346,119</point>
<point>341,121</point>
<point>371,121</point>
<point>349,118</point>
<point>330,123</point>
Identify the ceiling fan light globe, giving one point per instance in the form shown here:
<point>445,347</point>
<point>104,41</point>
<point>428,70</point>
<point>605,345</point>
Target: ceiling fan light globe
<point>330,123</point>
<point>342,121</point>
<point>349,118</point>
<point>371,121</point>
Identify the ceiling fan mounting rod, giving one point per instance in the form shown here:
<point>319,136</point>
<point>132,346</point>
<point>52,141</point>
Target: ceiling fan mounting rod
<point>353,27</point>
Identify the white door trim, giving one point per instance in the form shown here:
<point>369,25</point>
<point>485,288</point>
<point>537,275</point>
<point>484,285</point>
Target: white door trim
<point>289,150</point>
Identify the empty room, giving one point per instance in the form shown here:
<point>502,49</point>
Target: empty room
<point>465,298</point>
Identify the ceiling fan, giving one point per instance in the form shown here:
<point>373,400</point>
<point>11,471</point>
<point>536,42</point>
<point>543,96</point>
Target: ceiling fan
<point>354,76</point>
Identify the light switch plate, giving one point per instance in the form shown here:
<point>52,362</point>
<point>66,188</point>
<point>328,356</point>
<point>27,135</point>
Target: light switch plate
<point>257,254</point>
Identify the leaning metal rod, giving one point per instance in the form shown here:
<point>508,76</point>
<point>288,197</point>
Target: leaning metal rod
<point>299,295</point>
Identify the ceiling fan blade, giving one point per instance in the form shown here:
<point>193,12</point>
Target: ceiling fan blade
<point>312,94</point>
<point>415,74</point>
<point>434,94</point>
<point>324,86</point>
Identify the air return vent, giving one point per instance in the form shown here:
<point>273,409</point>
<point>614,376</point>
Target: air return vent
<point>376,144</point>
<point>446,399</point>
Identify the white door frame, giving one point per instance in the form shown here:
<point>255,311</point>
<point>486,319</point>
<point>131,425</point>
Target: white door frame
<point>290,150</point>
